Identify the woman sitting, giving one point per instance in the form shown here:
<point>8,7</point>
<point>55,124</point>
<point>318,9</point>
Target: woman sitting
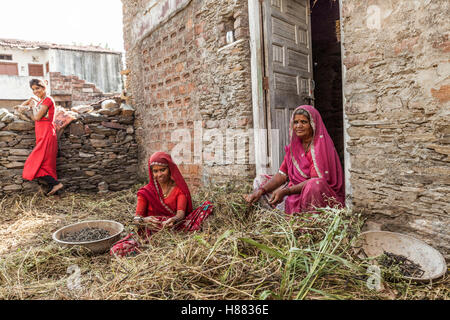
<point>164,202</point>
<point>311,174</point>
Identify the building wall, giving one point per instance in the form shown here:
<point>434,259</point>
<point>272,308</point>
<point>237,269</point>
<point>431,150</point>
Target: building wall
<point>99,72</point>
<point>396,103</point>
<point>183,75</point>
<point>18,87</point>
<point>101,69</point>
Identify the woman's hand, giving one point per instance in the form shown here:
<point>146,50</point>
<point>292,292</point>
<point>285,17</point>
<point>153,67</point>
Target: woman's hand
<point>174,220</point>
<point>151,220</point>
<point>170,222</point>
<point>30,102</point>
<point>138,220</point>
<point>278,196</point>
<point>255,196</point>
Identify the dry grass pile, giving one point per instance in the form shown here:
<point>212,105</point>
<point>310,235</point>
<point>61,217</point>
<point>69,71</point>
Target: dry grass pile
<point>241,253</point>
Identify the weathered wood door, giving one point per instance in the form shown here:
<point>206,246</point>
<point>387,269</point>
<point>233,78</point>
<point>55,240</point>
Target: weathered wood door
<point>288,66</point>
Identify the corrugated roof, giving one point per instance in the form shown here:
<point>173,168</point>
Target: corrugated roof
<point>22,44</point>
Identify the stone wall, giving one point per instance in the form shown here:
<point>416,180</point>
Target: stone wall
<point>184,75</point>
<point>396,88</point>
<point>97,151</point>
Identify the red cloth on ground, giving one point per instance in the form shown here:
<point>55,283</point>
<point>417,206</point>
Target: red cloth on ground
<point>42,160</point>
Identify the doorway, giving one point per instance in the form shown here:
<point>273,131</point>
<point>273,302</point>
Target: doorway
<point>296,59</point>
<point>327,68</point>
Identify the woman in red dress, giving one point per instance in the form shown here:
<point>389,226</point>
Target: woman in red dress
<point>41,163</point>
<point>166,199</point>
<point>163,203</point>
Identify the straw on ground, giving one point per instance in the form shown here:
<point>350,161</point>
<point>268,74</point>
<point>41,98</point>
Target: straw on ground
<point>241,253</point>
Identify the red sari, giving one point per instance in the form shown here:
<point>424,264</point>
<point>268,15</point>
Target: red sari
<point>176,200</point>
<point>151,202</point>
<point>42,160</point>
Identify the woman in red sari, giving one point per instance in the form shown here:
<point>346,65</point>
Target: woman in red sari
<point>163,203</point>
<point>41,163</point>
<point>166,199</point>
<point>311,175</point>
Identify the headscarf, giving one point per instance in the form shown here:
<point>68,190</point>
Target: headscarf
<point>153,192</point>
<point>323,153</point>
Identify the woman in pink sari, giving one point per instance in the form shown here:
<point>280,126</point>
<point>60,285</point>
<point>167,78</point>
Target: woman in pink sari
<point>311,175</point>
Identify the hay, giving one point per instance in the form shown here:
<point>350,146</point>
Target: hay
<point>241,253</point>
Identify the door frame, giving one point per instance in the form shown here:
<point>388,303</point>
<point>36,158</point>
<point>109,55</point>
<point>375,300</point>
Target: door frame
<point>265,162</point>
<point>262,134</point>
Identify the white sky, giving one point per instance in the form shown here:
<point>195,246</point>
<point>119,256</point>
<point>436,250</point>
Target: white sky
<point>81,22</point>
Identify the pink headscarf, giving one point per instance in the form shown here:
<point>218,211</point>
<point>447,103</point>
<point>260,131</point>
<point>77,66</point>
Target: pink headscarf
<point>325,158</point>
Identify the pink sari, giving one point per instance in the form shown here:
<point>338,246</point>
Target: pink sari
<point>328,188</point>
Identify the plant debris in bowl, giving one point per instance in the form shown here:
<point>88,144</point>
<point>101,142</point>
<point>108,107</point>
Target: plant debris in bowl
<point>86,234</point>
<point>406,267</point>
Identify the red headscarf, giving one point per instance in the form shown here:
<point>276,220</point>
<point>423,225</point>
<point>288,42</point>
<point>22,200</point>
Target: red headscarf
<point>153,192</point>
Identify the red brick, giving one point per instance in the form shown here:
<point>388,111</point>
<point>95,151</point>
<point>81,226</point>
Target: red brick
<point>442,94</point>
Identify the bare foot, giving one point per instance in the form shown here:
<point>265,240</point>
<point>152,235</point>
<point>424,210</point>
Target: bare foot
<point>55,189</point>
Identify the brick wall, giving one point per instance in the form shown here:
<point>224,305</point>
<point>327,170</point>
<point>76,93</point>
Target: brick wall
<point>397,105</point>
<point>74,90</point>
<point>182,74</point>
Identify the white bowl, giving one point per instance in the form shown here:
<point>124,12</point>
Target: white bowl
<point>374,243</point>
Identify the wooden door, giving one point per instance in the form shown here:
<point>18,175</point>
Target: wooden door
<point>288,66</point>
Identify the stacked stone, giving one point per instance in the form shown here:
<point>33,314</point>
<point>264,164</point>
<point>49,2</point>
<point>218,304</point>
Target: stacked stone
<point>16,142</point>
<point>97,152</point>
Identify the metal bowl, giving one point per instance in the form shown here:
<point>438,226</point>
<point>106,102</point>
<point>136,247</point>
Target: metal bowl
<point>374,243</point>
<point>97,246</point>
